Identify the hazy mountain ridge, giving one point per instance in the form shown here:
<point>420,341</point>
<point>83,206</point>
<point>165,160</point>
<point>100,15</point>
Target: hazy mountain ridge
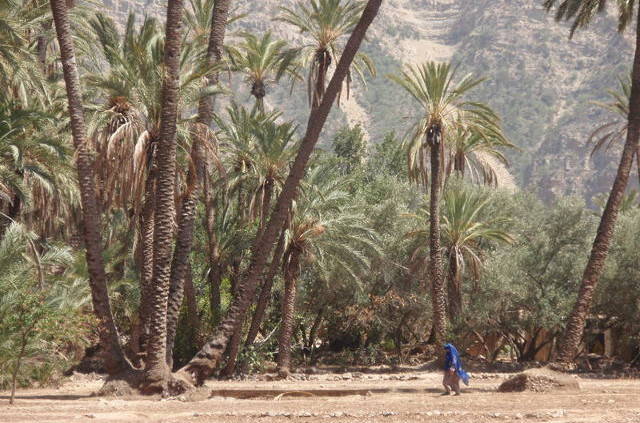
<point>540,82</point>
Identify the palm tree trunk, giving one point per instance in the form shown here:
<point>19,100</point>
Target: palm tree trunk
<point>258,315</point>
<point>265,292</point>
<point>438,296</point>
<point>575,325</point>
<point>147,224</point>
<point>205,362</point>
<point>184,238</point>
<point>157,371</point>
<point>454,288</point>
<point>324,60</point>
<point>291,275</point>
<point>115,360</point>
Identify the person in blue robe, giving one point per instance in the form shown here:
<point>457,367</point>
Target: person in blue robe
<point>453,371</point>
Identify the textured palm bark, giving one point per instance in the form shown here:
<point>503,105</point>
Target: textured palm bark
<point>115,360</point>
<point>184,237</point>
<point>454,288</point>
<point>147,225</point>
<point>265,292</point>
<point>574,329</point>
<point>291,274</point>
<point>214,276</point>
<point>157,372</point>
<point>438,294</point>
<point>184,241</point>
<point>234,344</point>
<point>207,359</point>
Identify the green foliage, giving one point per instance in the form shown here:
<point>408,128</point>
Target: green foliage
<point>350,147</point>
<point>39,327</point>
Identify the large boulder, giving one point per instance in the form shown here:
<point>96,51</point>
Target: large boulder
<point>539,380</point>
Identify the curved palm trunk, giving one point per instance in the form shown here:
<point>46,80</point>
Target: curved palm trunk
<point>157,371</point>
<point>258,315</point>
<point>184,238</point>
<point>265,292</point>
<point>575,325</point>
<point>206,360</point>
<point>291,274</point>
<point>115,360</point>
<point>438,296</point>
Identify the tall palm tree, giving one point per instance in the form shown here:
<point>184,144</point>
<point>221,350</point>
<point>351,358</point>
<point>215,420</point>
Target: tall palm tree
<point>615,131</point>
<point>326,22</point>
<point>582,12</point>
<point>324,232</point>
<point>265,149</point>
<point>262,61</point>
<point>444,112</point>
<point>206,360</point>
<point>157,373</point>
<point>115,359</point>
<point>464,232</point>
<point>201,143</point>
<point>126,127</point>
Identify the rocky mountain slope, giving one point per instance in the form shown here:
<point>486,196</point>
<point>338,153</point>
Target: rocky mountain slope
<point>540,82</point>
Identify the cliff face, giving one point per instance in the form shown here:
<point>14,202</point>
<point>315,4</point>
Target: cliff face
<point>540,82</point>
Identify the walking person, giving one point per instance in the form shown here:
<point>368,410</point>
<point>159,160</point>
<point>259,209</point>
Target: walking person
<point>453,371</point>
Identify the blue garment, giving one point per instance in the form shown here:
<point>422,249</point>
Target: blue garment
<point>452,361</point>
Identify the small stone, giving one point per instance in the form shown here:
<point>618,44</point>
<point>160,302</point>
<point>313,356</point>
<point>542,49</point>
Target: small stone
<point>611,401</point>
<point>519,416</point>
<point>388,413</point>
<point>556,413</point>
<point>347,376</point>
<point>304,414</point>
<point>90,416</point>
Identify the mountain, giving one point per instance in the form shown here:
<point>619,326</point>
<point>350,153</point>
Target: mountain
<point>540,82</point>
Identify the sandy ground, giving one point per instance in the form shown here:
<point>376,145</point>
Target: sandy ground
<point>414,396</point>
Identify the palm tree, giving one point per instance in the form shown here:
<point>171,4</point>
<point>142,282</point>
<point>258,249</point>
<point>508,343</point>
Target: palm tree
<point>262,61</point>
<point>465,232</point>
<point>615,131</point>
<point>156,370</point>
<point>205,362</point>
<point>481,156</point>
<point>444,112</point>
<point>325,22</point>
<point>582,13</point>
<point>126,128</point>
<point>115,359</point>
<point>32,163</point>
<point>324,232</point>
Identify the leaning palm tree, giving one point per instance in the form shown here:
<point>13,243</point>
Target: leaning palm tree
<point>465,231</point>
<point>615,131</point>
<point>582,12</point>
<point>262,61</point>
<point>444,112</point>
<point>325,22</point>
<point>205,362</point>
<point>115,359</point>
<point>324,232</point>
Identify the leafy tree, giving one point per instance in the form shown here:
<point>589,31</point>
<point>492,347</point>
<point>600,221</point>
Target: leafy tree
<point>350,147</point>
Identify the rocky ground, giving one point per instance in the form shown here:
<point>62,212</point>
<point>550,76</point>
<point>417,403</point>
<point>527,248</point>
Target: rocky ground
<point>411,395</point>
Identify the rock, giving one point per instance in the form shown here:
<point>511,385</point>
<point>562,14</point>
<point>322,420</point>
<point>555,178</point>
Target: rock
<point>90,416</point>
<point>556,413</point>
<point>347,376</point>
<point>389,413</point>
<point>539,380</point>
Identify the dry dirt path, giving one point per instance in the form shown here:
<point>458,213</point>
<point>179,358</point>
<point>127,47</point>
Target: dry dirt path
<point>415,397</point>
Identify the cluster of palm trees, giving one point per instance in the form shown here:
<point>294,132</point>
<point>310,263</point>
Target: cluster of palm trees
<point>155,158</point>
